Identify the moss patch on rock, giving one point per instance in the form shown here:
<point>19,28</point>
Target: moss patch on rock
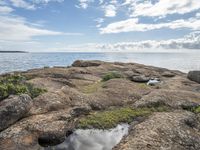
<point>195,109</point>
<point>16,85</point>
<point>110,118</point>
<point>111,75</point>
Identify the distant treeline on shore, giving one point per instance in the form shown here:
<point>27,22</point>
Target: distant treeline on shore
<point>13,51</point>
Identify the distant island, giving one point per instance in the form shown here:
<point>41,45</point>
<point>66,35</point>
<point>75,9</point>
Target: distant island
<point>13,52</point>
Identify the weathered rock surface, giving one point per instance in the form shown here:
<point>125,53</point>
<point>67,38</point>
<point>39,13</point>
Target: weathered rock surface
<point>194,76</point>
<point>12,109</point>
<point>78,90</point>
<point>172,98</point>
<point>166,130</point>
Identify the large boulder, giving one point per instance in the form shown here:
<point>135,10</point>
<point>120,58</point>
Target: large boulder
<point>13,108</point>
<point>194,76</point>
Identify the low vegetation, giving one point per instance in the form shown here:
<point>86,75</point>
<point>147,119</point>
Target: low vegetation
<point>111,75</point>
<point>16,85</point>
<point>197,109</point>
<point>109,119</point>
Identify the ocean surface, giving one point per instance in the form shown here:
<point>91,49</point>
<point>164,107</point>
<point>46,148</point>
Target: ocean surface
<point>183,61</point>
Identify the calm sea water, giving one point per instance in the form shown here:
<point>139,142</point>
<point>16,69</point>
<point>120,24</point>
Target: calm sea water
<point>184,61</point>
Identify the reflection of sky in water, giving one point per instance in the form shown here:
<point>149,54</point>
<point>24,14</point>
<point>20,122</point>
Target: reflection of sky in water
<point>93,139</point>
<point>183,61</point>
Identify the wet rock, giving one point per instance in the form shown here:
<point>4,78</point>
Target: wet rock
<point>50,139</point>
<point>194,76</point>
<point>140,78</point>
<point>14,108</point>
<point>81,63</point>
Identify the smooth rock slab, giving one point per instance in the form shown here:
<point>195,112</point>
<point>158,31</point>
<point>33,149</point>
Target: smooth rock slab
<point>13,108</point>
<point>194,76</point>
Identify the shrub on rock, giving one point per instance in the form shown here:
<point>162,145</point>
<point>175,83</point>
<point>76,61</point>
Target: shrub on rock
<point>111,75</point>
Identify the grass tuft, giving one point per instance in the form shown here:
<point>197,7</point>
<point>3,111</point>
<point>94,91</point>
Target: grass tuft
<point>111,118</point>
<point>111,75</point>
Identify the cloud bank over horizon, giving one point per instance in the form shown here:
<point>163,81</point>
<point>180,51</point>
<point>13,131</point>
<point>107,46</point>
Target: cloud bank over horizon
<point>99,25</point>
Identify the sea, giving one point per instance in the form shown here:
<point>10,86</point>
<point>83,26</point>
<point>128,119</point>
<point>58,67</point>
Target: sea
<point>183,61</point>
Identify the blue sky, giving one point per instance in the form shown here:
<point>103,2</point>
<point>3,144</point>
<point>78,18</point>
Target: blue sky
<point>99,25</point>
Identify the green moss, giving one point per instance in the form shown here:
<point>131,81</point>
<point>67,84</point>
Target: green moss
<point>194,109</point>
<point>16,85</point>
<point>197,109</point>
<point>110,118</point>
<point>3,92</point>
<point>111,75</point>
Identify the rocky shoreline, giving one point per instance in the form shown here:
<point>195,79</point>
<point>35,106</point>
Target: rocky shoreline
<point>162,106</point>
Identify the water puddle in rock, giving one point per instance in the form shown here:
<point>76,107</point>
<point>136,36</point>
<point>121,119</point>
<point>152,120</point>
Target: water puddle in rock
<point>93,139</point>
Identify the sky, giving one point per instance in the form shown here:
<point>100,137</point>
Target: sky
<point>99,25</point>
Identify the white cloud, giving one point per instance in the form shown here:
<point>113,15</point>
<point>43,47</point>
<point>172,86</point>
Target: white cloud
<point>110,10</point>
<point>99,22</point>
<point>26,4</point>
<point>84,3</point>
<point>161,7</point>
<point>191,41</point>
<point>46,1</point>
<point>134,25</point>
<point>5,10</point>
<point>22,4</point>
<point>198,15</point>
<point>15,28</point>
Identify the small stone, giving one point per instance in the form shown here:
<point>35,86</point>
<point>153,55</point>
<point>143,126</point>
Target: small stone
<point>140,78</point>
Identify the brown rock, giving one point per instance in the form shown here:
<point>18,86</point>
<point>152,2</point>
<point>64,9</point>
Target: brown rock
<point>194,76</point>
